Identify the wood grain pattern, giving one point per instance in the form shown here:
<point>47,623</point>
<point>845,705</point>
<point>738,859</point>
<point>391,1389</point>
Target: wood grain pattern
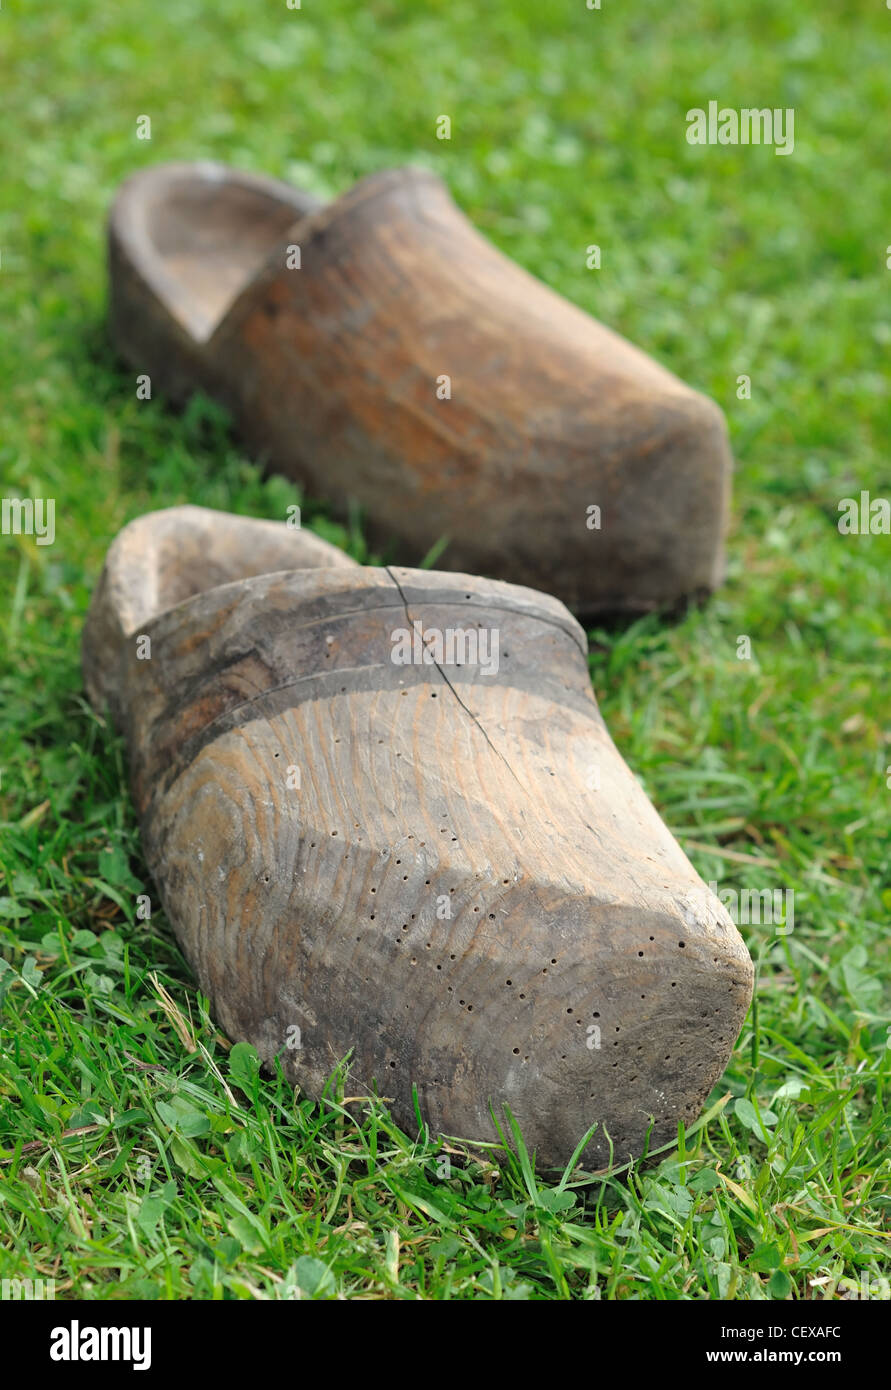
<point>448,892</point>
<point>331,374</point>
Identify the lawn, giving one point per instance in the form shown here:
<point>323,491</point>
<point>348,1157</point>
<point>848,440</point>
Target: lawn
<point>141,1155</point>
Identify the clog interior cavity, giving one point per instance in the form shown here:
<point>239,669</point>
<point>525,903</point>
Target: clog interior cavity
<point>185,555</point>
<point>210,238</point>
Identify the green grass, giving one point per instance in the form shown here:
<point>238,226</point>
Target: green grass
<point>139,1155</point>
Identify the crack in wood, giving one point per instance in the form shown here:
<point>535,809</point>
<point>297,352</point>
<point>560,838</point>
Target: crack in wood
<point>468,712</point>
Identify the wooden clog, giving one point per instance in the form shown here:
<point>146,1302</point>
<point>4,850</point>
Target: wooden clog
<point>379,349</point>
<point>384,814</point>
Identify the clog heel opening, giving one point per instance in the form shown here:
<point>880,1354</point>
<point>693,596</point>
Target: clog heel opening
<point>210,238</point>
<point>164,558</point>
<point>196,551</point>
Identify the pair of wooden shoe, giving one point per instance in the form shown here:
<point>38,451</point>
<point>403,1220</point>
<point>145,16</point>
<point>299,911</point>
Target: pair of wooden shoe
<point>441,866</point>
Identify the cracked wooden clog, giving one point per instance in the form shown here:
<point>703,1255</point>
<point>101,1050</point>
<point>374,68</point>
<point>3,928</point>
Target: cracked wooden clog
<point>384,814</point>
<point>379,349</point>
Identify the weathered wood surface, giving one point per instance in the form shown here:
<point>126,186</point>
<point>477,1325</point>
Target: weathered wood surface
<point>331,372</point>
<point>468,888</point>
